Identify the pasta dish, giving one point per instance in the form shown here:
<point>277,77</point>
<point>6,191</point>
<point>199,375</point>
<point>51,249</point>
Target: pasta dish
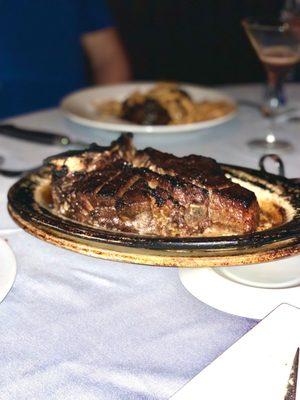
<point>164,104</point>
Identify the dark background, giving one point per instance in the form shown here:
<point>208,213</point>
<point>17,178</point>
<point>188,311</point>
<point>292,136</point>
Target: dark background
<point>199,41</point>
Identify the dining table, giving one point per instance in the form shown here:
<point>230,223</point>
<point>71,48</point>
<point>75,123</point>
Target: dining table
<point>79,327</point>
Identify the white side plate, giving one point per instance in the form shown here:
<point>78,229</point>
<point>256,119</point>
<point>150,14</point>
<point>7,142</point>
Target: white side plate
<point>80,108</point>
<point>7,224</point>
<point>232,293</point>
<point>8,269</point>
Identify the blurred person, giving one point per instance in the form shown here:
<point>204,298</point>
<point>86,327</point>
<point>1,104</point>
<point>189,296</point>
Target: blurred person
<point>48,47</point>
<point>192,40</point>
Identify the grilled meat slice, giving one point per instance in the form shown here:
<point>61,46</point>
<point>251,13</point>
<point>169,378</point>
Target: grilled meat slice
<point>201,171</point>
<point>131,199</point>
<point>149,192</point>
<point>163,205</point>
<point>83,196</point>
<point>234,207</point>
<point>78,177</point>
<point>230,204</point>
<point>92,159</point>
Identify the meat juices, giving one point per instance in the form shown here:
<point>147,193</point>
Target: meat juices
<point>148,192</point>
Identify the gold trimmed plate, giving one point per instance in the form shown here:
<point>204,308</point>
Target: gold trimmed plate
<point>29,204</point>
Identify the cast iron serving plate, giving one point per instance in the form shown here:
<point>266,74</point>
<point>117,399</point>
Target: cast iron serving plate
<point>29,203</point>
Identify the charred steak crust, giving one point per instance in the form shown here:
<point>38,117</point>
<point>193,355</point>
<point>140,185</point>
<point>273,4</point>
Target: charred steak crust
<point>148,191</point>
<point>230,204</point>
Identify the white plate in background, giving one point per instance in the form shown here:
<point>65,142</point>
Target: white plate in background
<point>80,108</point>
<point>233,294</point>
<point>8,269</point>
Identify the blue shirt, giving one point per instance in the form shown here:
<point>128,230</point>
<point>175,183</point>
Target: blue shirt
<point>41,58</point>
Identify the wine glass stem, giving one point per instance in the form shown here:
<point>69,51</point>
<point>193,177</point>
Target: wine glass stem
<point>271,130</point>
<point>275,96</point>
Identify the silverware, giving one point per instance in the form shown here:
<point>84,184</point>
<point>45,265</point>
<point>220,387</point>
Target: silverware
<point>10,173</point>
<point>287,115</point>
<point>296,119</point>
<point>291,389</point>
<point>35,136</point>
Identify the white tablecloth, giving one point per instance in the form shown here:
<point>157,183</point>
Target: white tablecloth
<point>75,327</point>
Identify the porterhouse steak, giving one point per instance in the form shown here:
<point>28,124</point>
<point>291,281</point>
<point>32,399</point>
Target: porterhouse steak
<point>148,192</point>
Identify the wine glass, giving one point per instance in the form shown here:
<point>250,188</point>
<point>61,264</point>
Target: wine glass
<point>278,48</point>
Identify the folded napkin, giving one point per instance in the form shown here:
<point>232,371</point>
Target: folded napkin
<point>256,367</point>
